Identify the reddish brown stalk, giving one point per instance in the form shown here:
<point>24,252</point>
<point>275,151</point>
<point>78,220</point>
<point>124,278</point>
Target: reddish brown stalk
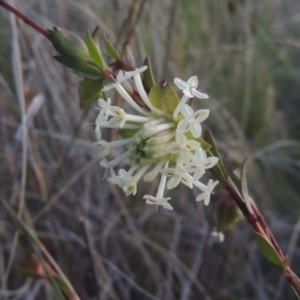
<point>260,226</point>
<point>252,219</point>
<point>262,221</point>
<point>24,18</point>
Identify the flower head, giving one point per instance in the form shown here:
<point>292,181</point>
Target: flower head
<point>160,136</point>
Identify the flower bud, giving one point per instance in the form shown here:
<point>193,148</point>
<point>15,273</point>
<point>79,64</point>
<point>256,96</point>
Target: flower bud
<point>68,44</point>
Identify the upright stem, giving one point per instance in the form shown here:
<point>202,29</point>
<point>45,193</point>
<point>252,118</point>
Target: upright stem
<point>260,226</point>
<point>24,18</point>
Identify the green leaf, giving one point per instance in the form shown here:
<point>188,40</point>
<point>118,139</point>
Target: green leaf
<point>236,180</point>
<point>227,213</point>
<point>218,170</point>
<point>68,44</point>
<point>28,232</point>
<point>95,37</point>
<point>148,75</point>
<point>79,66</point>
<point>269,252</point>
<point>164,97</point>
<point>94,51</point>
<point>88,90</point>
<point>60,283</point>
<point>244,186</point>
<point>110,49</point>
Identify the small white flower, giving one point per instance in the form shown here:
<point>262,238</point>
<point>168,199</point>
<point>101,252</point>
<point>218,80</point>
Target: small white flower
<point>134,72</point>
<point>105,147</point>
<point>192,120</point>
<point>139,85</point>
<point>119,79</point>
<point>207,190</point>
<point>117,85</point>
<point>131,185</point>
<point>200,163</point>
<point>158,201</point>
<point>122,178</point>
<point>177,175</point>
<point>182,147</point>
<point>119,117</point>
<point>189,87</point>
<point>105,108</point>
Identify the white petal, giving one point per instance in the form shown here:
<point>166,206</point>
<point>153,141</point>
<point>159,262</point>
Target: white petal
<point>195,129</point>
<point>198,174</point>
<point>180,83</point>
<point>183,126</point>
<point>193,81</point>
<point>187,111</point>
<point>201,115</point>
<point>201,197</point>
<point>173,148</point>
<point>180,138</point>
<point>98,132</point>
<point>173,182</point>
<point>187,180</point>
<point>200,95</point>
<point>210,162</point>
<point>168,172</point>
<point>166,205</point>
<point>188,93</point>
<point>192,145</point>
<point>184,156</point>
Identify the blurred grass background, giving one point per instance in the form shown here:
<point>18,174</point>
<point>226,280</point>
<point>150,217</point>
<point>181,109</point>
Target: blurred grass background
<point>246,55</point>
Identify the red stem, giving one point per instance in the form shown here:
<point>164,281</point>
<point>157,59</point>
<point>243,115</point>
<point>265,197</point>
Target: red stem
<point>260,226</point>
<point>24,18</point>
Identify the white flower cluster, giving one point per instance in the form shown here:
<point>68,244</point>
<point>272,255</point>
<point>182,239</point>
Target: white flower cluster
<point>156,142</point>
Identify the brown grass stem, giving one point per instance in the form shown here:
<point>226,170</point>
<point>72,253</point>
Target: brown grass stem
<point>24,18</point>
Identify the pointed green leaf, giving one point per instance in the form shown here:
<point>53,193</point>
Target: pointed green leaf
<point>88,90</point>
<point>95,54</point>
<point>244,186</point>
<point>110,49</point>
<point>128,57</point>
<point>218,170</point>
<point>148,75</point>
<point>269,252</point>
<point>236,180</point>
<point>68,44</point>
<point>95,37</point>
<point>227,213</point>
<point>24,227</point>
<point>164,97</point>
<point>79,66</point>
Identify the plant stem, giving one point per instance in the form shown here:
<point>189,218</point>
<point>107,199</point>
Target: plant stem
<point>260,226</point>
<point>24,18</point>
